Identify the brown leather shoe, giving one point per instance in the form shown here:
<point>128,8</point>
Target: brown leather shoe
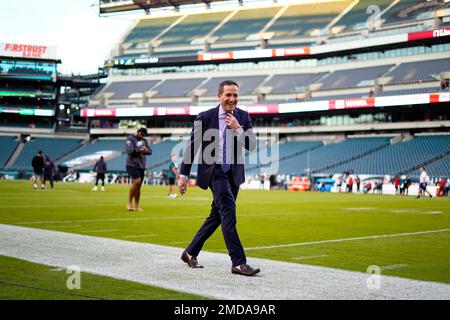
<point>191,262</point>
<point>245,270</point>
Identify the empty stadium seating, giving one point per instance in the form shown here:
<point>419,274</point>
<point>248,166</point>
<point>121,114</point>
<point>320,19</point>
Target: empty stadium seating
<point>147,29</point>
<point>123,89</point>
<point>285,151</point>
<point>399,157</point>
<point>410,10</point>
<point>117,145</point>
<point>246,84</point>
<point>320,159</point>
<point>245,22</point>
<point>438,168</point>
<point>192,27</point>
<point>407,91</point>
<point>177,87</point>
<point>302,19</point>
<point>418,72</point>
<point>357,17</point>
<point>353,78</point>
<point>7,146</point>
<point>288,83</point>
<point>55,148</point>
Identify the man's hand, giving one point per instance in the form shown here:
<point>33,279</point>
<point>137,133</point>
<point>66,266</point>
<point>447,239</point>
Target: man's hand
<point>146,150</point>
<point>232,123</point>
<point>182,185</point>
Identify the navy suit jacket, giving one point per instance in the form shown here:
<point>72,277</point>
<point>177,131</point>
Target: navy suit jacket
<point>209,142</point>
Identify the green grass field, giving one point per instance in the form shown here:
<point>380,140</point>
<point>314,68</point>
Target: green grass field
<point>308,228</point>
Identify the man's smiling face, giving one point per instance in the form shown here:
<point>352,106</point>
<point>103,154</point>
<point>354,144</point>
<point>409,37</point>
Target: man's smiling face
<point>229,97</point>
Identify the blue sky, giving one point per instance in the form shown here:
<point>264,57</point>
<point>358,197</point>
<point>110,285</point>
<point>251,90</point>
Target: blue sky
<point>83,39</point>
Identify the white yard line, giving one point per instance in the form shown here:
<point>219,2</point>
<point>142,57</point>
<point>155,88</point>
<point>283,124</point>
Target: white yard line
<point>161,266</point>
<point>139,236</point>
<point>310,257</point>
<point>178,242</point>
<point>95,231</point>
<point>65,227</point>
<point>393,267</point>
<point>347,239</point>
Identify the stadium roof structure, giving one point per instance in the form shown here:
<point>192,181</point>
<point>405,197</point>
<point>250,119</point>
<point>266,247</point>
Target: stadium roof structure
<point>114,6</point>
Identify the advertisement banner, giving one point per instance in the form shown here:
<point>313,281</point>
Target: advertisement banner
<point>98,112</point>
<point>172,111</point>
<point>295,51</point>
<point>20,50</point>
<point>440,97</point>
<point>445,32</point>
<point>303,106</point>
<point>390,101</point>
<point>352,103</point>
<point>261,109</point>
<point>134,112</point>
<point>215,56</point>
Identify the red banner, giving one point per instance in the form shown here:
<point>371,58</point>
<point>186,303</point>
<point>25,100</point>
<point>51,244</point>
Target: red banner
<point>296,51</point>
<point>440,97</point>
<point>445,32</point>
<point>98,112</point>
<point>215,56</point>
<point>352,103</point>
<point>172,111</point>
<point>262,109</point>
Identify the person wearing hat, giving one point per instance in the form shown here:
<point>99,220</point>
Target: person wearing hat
<point>137,149</point>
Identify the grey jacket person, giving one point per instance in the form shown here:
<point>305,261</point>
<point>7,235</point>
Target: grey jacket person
<point>133,148</point>
<point>100,167</point>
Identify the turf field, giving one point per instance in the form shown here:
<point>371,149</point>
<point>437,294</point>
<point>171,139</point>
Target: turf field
<point>404,236</point>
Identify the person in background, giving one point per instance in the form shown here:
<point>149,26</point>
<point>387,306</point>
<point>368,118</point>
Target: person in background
<point>101,169</point>
<point>339,183</point>
<point>447,187</point>
<point>350,183</point>
<point>172,175</point>
<point>407,184</point>
<point>441,187</point>
<point>261,180</point>
<point>396,185</point>
<point>38,169</point>
<point>49,168</point>
<point>137,149</point>
<point>358,183</point>
<point>423,181</point>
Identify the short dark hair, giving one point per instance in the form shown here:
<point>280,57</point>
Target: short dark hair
<point>143,130</point>
<point>39,152</point>
<point>227,83</point>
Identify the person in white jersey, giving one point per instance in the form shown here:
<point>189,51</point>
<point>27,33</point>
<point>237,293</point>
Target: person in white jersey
<point>423,179</point>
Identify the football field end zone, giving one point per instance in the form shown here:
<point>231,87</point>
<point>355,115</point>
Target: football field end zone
<point>161,266</point>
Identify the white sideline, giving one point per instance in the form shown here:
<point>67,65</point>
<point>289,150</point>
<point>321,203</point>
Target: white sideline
<point>161,266</point>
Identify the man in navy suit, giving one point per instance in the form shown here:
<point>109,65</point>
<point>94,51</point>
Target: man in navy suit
<point>220,134</point>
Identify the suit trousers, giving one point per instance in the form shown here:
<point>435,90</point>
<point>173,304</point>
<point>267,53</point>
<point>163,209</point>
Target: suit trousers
<point>223,212</point>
